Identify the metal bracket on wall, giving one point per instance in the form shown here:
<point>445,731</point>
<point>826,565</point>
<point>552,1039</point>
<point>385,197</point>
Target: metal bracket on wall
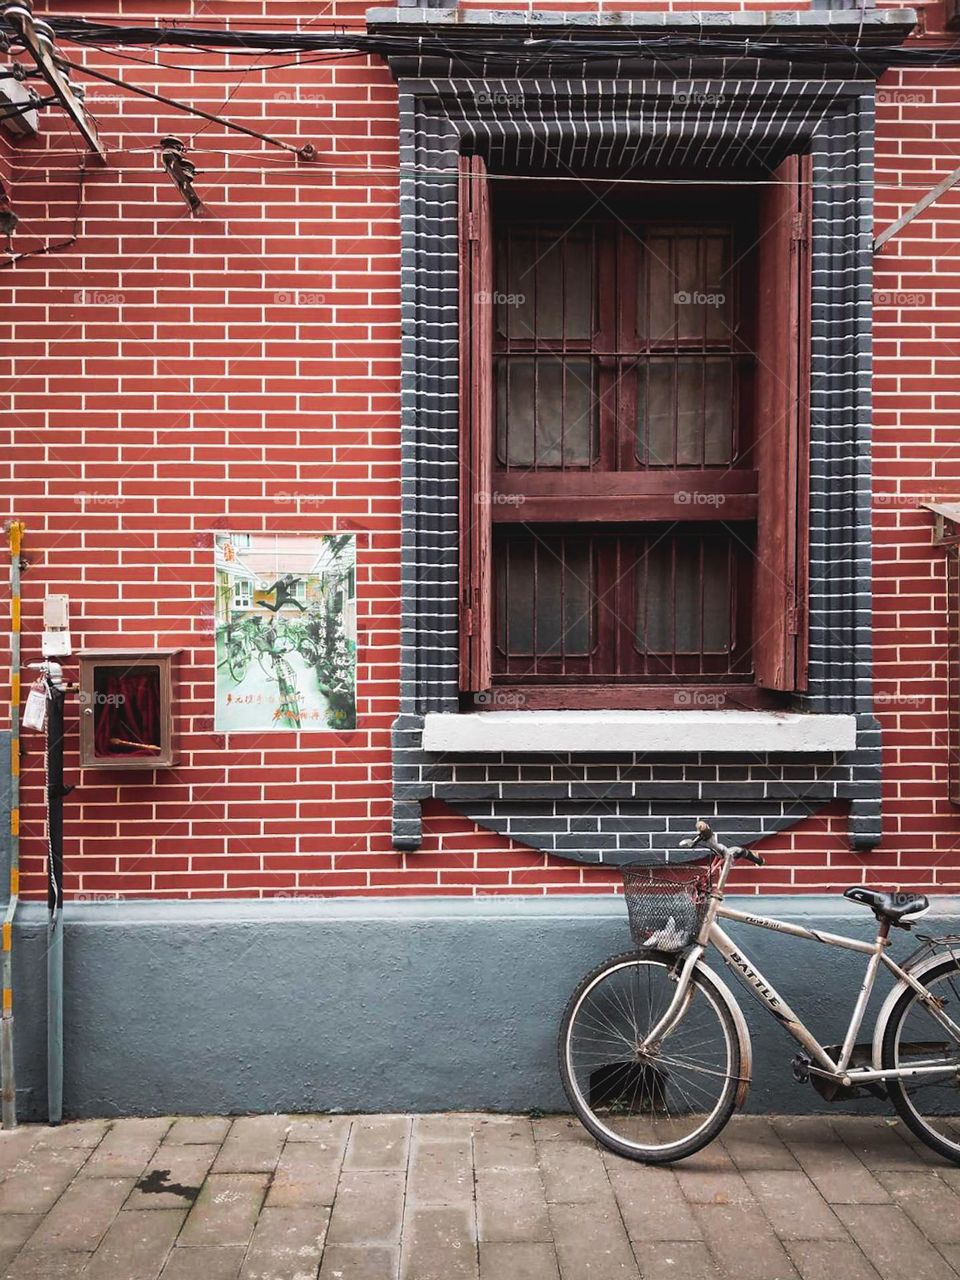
<point>946,529</point>
<point>38,39</point>
<point>925,202</point>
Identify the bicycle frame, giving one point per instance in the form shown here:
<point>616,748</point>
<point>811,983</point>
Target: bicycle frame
<point>711,934</point>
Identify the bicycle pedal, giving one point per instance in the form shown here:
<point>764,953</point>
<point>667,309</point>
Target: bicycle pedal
<point>801,1068</point>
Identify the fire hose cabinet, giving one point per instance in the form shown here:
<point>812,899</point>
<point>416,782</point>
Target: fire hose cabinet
<point>126,708</point>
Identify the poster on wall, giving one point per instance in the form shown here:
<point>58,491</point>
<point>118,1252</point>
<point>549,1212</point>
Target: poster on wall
<point>286,632</point>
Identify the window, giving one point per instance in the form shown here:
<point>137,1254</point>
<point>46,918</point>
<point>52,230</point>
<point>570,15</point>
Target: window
<point>632,440</point>
<point>242,597</point>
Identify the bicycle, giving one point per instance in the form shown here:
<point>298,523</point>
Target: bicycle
<point>237,656</point>
<point>654,1049</point>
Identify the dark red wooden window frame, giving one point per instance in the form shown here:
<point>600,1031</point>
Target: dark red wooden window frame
<point>769,490</point>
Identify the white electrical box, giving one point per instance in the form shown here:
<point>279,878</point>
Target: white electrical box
<point>56,613</point>
<point>56,627</point>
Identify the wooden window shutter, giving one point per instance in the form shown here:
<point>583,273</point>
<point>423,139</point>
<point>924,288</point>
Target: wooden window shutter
<point>476,424</point>
<point>782,428</point>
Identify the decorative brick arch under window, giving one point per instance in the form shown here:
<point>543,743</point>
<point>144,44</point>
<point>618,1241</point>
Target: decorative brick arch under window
<point>633,408</point>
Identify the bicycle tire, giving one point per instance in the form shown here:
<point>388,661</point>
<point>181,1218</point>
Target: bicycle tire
<point>645,1153</point>
<point>889,1056</point>
<point>238,663</point>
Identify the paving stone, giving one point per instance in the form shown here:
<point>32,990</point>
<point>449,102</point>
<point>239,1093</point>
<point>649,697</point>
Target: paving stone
<point>173,1178</point>
<point>592,1242</point>
<point>515,1261</point>
<point>892,1242</point>
<point>440,1171</point>
<point>560,1129</point>
<point>126,1150</point>
<point>952,1254</point>
<point>38,1180</point>
<point>136,1245</point>
<point>837,1173</point>
<point>439,1243</point>
<point>504,1143</point>
<point>927,1199</point>
<point>360,1262</point>
<point>206,1262</point>
<point>61,1264</point>
<point>78,1133</point>
<point>713,1158</point>
<point>15,1228</point>
<point>573,1173</point>
<point>511,1205</point>
<point>368,1209</point>
<point>881,1143</point>
<point>328,1129</point>
<point>16,1145</point>
<point>253,1145</point>
<point>708,1186</point>
<point>743,1242</point>
<point>829,1260</point>
<point>306,1175</point>
<point>286,1245</point>
<point>81,1215</point>
<point>794,1207</point>
<point>651,1203</point>
<point>446,1126</point>
<point>753,1143</point>
<point>378,1142</point>
<point>676,1260</point>
<point>226,1210</point>
<point>198,1129</point>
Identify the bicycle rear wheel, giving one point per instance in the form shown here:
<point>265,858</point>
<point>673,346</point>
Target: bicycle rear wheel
<point>929,1104</point>
<point>654,1106</point>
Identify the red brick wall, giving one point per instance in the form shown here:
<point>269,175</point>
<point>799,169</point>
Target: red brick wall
<point>173,376</point>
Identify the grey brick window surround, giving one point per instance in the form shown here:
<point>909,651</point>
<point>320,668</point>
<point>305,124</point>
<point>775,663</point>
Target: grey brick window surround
<point>476,88</point>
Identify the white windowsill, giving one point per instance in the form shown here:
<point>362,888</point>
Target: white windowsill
<point>661,731</point>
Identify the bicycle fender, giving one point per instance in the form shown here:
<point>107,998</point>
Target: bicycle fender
<point>723,993</point>
<point>883,1017</point>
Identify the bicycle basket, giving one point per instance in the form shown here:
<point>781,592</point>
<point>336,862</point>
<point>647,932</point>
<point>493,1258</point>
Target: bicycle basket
<point>666,905</point>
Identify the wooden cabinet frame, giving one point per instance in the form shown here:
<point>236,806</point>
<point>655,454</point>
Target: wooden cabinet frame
<point>126,662</point>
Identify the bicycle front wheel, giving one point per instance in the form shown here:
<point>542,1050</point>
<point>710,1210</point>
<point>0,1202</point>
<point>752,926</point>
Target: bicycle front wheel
<point>654,1105</point>
<point>929,1103</point>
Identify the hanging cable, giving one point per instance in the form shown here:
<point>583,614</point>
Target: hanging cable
<point>304,152</point>
<point>71,240</point>
<point>487,49</point>
<point>24,108</point>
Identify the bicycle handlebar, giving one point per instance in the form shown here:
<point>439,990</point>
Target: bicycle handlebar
<point>706,837</point>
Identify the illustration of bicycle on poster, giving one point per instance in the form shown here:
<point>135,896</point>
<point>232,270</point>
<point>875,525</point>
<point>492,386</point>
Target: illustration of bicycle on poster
<point>285,632</point>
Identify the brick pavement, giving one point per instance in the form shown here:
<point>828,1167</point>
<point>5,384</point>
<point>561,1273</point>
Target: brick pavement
<point>469,1197</point>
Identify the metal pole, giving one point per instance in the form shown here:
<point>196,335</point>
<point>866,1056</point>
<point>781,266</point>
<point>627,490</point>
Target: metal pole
<point>925,202</point>
<point>55,795</point>
<point>8,1096</point>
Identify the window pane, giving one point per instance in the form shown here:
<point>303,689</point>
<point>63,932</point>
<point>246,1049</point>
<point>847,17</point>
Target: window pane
<point>546,411</point>
<point>685,411</point>
<point>545,286</point>
<point>685,596</point>
<point>685,293</point>
<point>545,594</point>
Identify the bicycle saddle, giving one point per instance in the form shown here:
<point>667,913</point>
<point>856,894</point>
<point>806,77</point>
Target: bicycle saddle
<point>894,907</point>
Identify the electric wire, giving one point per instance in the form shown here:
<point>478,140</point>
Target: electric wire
<point>487,50</point>
<point>71,240</point>
<point>182,106</point>
<point>24,108</point>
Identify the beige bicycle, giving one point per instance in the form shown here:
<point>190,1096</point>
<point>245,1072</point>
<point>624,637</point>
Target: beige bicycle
<point>654,1049</point>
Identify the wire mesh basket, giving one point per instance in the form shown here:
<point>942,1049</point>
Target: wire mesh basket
<point>666,905</point>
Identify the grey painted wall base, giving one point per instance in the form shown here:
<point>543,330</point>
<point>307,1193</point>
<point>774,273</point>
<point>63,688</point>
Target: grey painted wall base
<point>317,1005</point>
